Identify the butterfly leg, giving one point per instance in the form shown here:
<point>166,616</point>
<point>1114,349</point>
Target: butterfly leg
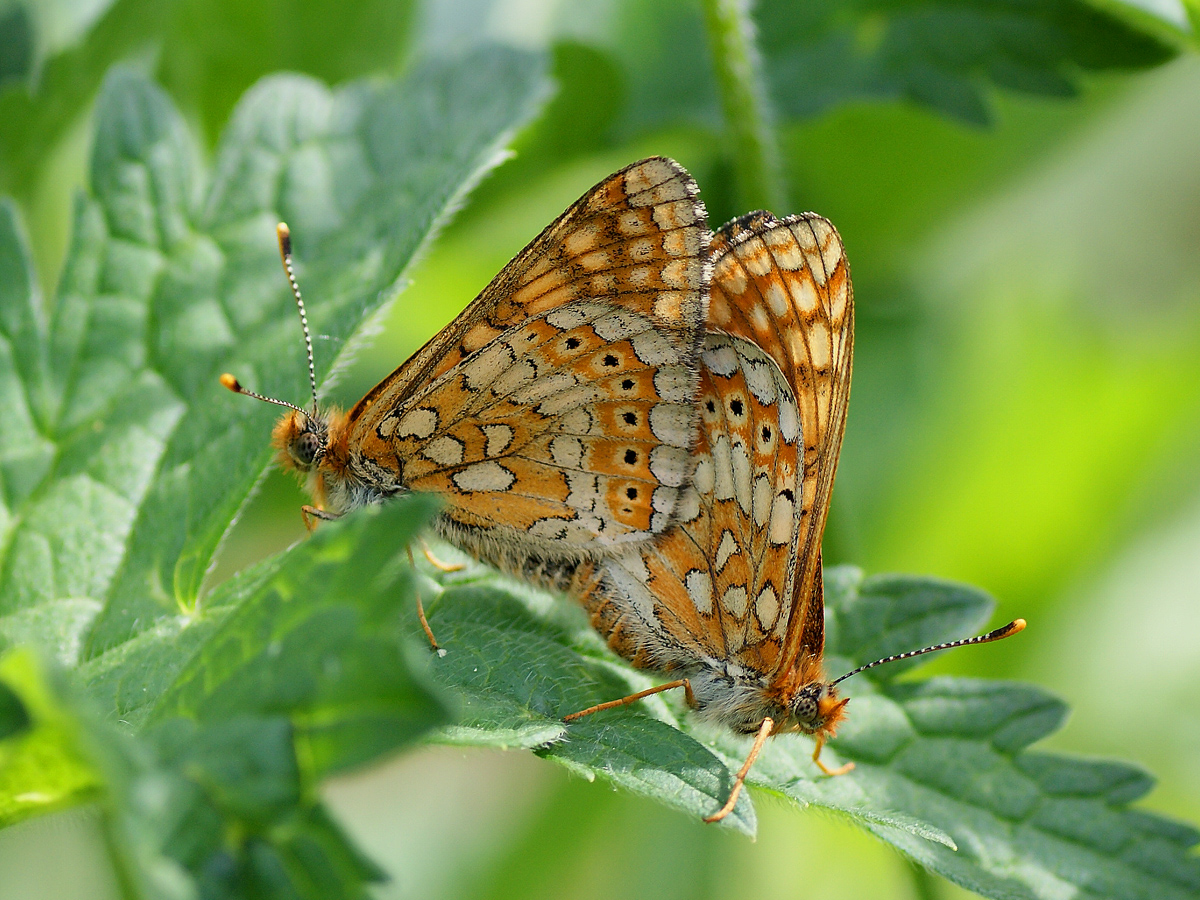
<point>632,698</point>
<point>840,770</point>
<point>421,613</point>
<point>310,514</point>
<point>437,563</point>
<point>739,780</point>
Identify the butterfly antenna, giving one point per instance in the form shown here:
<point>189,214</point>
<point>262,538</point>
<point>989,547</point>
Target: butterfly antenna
<point>285,251</point>
<point>1014,627</point>
<point>236,386</point>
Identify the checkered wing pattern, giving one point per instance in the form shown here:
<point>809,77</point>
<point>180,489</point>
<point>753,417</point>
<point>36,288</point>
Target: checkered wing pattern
<point>737,582</point>
<point>556,416</point>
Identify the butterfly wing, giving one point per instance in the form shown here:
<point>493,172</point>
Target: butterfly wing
<point>555,415</point>
<point>787,283</point>
<point>739,579</point>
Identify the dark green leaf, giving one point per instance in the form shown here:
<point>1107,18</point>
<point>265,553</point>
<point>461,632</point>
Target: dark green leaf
<point>942,770</point>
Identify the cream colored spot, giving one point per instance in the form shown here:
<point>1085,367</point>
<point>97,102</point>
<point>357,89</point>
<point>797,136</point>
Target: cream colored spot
<point>675,189</point>
<point>755,257</point>
<point>759,320</point>
<point>804,234</point>
<point>761,505</point>
<point>680,274</point>
<point>598,259</point>
<point>675,384</point>
<point>655,349</point>
<point>740,462</point>
<point>567,452</point>
<point>514,378</point>
<point>485,366</point>
<point>760,378</point>
<point>576,314</point>
<point>671,306</point>
<point>699,588</point>
<point>726,549</point>
<point>619,325</point>
<point>484,476</point>
<point>719,355</point>
<point>498,438</point>
<point>804,295</point>
<point>445,451</point>
<point>581,240</point>
<point>777,298</point>
<point>734,600</point>
<point>418,423</point>
<point>703,478</point>
<point>685,242</point>
<point>832,255</point>
<point>687,507</point>
<point>816,265</point>
<point>670,465</point>
<point>766,607</point>
<point>818,344</point>
<point>673,423</point>
<point>782,520</point>
<point>789,419</point>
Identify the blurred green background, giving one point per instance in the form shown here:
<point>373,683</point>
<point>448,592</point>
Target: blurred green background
<point>1025,413</point>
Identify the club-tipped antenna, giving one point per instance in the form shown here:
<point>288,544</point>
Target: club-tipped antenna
<point>1013,627</point>
<point>236,386</point>
<point>285,252</point>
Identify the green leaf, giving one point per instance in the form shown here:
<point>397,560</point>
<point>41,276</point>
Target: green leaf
<point>942,771</point>
<point>123,463</point>
<point>947,55</point>
<point>31,32</point>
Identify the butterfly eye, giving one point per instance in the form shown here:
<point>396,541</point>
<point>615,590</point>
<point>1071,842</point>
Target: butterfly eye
<point>806,704</point>
<point>305,448</point>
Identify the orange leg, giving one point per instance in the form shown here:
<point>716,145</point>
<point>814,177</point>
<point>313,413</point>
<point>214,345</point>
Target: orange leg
<point>632,698</point>
<point>764,732</point>
<point>840,770</point>
<point>421,615</point>
<point>310,514</point>
<point>437,563</point>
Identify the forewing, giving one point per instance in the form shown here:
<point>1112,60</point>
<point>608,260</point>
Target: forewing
<point>556,414</point>
<point>786,285</point>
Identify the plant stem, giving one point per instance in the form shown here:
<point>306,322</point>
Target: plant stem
<point>925,885</point>
<point>744,104</point>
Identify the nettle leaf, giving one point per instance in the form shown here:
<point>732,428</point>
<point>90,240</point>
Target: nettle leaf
<point>941,773</point>
<point>123,463</point>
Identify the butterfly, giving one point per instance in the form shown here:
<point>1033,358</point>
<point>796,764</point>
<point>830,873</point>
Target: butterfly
<point>731,597</point>
<point>555,416</point>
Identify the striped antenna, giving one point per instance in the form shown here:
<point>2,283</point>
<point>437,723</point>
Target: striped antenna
<point>1014,627</point>
<point>285,251</point>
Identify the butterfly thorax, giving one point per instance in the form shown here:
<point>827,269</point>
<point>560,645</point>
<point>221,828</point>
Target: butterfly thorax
<point>741,699</point>
<point>315,447</point>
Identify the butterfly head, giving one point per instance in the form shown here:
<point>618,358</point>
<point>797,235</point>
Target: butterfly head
<point>301,439</point>
<point>815,709</point>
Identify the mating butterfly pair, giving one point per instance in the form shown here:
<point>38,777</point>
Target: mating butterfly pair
<point>644,420</point>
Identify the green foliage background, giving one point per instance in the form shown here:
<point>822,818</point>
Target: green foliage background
<point>1017,193</point>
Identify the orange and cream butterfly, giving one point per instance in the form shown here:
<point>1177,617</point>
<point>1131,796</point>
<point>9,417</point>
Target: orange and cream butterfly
<point>731,598</point>
<point>555,416</point>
